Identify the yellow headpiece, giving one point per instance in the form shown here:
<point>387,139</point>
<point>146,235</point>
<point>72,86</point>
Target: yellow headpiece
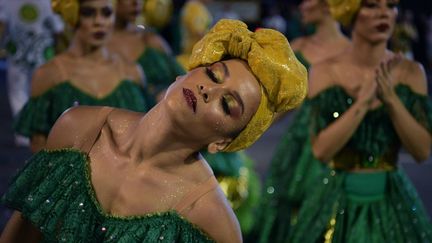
<point>344,10</point>
<point>282,77</point>
<point>157,13</point>
<point>67,9</point>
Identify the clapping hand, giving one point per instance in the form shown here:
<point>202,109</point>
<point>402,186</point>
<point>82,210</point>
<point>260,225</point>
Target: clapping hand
<point>385,80</point>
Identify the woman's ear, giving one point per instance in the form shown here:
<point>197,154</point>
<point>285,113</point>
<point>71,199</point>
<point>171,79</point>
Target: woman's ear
<point>218,145</point>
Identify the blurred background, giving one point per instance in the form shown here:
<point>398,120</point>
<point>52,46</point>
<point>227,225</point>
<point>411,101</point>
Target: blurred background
<point>413,36</point>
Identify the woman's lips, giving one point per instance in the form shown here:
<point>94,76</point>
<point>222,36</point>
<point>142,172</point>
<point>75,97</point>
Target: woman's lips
<point>99,35</point>
<point>190,98</point>
<point>382,27</point>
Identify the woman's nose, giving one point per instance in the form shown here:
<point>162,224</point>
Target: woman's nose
<point>207,92</point>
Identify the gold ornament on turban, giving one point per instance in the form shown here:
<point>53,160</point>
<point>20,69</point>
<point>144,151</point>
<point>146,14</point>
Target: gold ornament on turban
<point>67,9</point>
<point>157,13</point>
<point>283,79</point>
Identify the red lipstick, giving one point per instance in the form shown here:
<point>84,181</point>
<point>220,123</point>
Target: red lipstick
<point>190,98</point>
<point>382,27</point>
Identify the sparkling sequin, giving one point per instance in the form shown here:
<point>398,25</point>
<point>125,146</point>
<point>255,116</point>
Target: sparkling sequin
<point>103,229</point>
<point>332,173</point>
<point>370,158</point>
<point>325,181</point>
<point>81,204</point>
<point>161,237</point>
<point>349,101</point>
<point>335,114</point>
<point>30,198</point>
<point>270,190</point>
<point>47,201</point>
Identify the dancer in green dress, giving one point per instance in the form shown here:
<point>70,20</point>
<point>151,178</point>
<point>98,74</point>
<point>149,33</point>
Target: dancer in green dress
<point>293,168</point>
<point>144,47</point>
<point>365,105</point>
<point>111,175</point>
<point>87,73</point>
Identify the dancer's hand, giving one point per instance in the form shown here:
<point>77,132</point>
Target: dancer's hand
<point>384,77</point>
<point>367,94</point>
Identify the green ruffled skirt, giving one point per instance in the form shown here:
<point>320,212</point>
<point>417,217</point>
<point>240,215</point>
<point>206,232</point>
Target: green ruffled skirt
<point>362,207</point>
<point>292,173</point>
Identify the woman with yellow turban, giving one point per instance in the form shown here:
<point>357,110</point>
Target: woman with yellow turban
<point>293,169</point>
<point>111,175</point>
<point>87,73</point>
<point>366,103</point>
<point>144,47</point>
<point>234,171</point>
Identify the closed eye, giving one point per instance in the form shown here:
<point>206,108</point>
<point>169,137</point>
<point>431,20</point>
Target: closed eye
<point>211,75</point>
<point>225,105</point>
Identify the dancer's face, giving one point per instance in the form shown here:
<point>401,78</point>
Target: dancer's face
<point>95,21</point>
<point>313,11</point>
<point>376,19</point>
<point>214,102</point>
<point>129,10</point>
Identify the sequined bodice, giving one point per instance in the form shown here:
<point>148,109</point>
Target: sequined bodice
<point>54,191</point>
<point>375,142</point>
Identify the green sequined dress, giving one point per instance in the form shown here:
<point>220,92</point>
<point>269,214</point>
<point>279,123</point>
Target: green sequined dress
<point>40,113</point>
<point>54,192</point>
<point>380,206</point>
<point>292,173</point>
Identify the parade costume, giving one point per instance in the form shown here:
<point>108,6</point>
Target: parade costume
<point>54,190</point>
<point>292,174</point>
<point>378,206</point>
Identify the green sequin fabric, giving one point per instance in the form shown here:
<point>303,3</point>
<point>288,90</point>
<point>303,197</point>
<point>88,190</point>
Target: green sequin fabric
<point>292,172</point>
<point>54,192</point>
<point>160,70</point>
<point>40,113</point>
<point>364,207</point>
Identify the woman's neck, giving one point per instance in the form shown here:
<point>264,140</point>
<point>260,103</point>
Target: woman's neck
<point>156,140</point>
<point>122,25</point>
<point>366,53</point>
<point>327,30</point>
<point>81,49</point>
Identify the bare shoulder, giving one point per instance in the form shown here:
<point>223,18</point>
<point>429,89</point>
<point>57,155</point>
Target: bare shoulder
<point>321,76</point>
<point>72,127</point>
<point>213,214</point>
<point>156,41</point>
<point>412,74</point>
<point>46,76</point>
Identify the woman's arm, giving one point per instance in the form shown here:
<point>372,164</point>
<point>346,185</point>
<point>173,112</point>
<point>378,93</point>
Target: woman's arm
<point>19,230</point>
<point>414,137</point>
<point>331,139</point>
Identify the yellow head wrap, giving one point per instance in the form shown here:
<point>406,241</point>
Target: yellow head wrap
<point>157,13</point>
<point>344,10</point>
<point>67,9</point>
<point>282,77</point>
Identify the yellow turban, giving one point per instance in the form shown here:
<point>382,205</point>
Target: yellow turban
<point>67,9</point>
<point>282,77</point>
<point>344,10</point>
<point>157,13</point>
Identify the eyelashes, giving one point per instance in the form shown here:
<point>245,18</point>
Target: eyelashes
<point>211,75</point>
<point>92,12</point>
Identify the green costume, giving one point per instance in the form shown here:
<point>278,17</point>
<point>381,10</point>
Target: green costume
<point>40,113</point>
<point>54,192</point>
<point>380,206</point>
<point>292,172</point>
